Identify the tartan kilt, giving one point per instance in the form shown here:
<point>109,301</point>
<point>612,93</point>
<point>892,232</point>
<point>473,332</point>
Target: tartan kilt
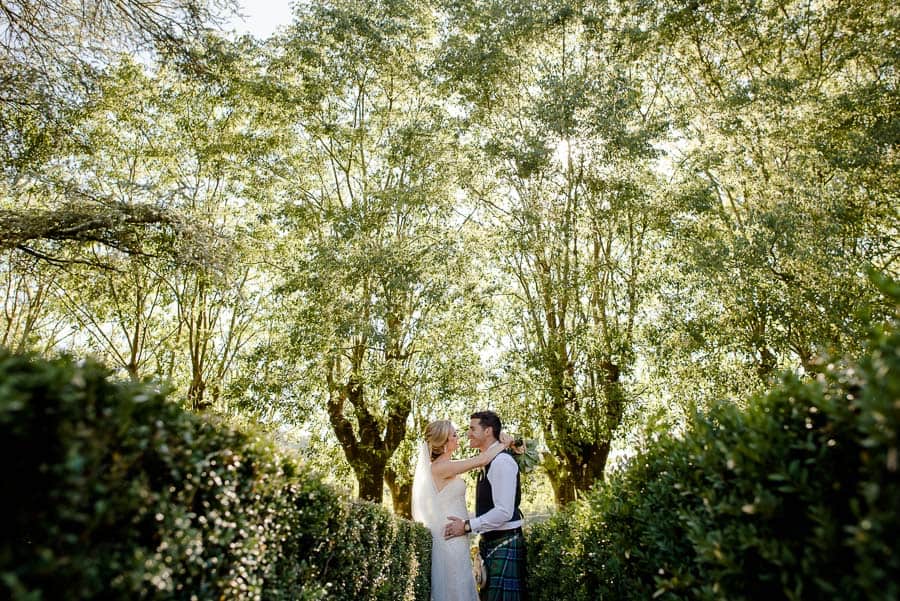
<point>504,565</point>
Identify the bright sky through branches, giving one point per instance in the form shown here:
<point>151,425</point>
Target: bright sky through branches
<point>261,17</point>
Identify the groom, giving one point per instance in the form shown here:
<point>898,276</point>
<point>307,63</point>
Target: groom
<point>498,520</point>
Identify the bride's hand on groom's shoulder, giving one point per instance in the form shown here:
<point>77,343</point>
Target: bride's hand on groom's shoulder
<point>506,440</point>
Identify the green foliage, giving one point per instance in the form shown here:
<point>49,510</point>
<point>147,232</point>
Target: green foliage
<point>526,454</point>
<point>794,498</point>
<point>119,494</point>
<point>617,204</point>
<point>571,202</point>
<point>784,187</point>
<point>378,284</point>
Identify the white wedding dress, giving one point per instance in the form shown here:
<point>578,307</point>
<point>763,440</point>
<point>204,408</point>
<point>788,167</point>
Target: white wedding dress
<point>451,565</point>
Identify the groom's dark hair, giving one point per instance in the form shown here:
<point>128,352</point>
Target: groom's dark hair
<point>488,419</point>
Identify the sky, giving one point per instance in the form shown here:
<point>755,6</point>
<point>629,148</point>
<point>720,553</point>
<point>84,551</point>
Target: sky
<point>261,17</point>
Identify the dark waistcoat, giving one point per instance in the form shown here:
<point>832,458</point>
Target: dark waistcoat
<point>484,498</point>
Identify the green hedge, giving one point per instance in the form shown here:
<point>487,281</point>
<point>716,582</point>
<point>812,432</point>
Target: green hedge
<point>111,492</point>
<point>796,498</point>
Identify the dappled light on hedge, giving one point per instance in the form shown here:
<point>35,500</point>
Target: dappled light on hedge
<point>795,498</point>
<point>117,493</point>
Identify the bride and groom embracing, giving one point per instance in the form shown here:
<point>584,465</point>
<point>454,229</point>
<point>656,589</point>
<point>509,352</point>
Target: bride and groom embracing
<point>439,502</point>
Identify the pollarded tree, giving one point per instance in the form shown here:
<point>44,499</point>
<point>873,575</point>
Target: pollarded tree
<point>567,132</point>
<point>374,258</point>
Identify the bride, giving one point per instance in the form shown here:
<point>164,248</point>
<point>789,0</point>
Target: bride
<point>438,493</point>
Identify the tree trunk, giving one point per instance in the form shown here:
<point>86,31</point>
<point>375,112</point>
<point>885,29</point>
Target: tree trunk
<point>577,471</point>
<point>563,492</point>
<point>369,471</point>
<point>401,493</point>
<point>369,446</point>
<point>561,435</point>
<point>576,464</point>
<point>767,362</point>
<point>563,485</point>
<point>196,394</point>
<point>591,467</point>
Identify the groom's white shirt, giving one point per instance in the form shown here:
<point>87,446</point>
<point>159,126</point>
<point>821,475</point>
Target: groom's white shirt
<point>502,477</point>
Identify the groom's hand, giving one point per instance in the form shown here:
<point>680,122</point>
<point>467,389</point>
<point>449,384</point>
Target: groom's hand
<point>455,527</point>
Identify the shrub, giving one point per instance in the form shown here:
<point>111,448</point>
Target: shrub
<point>795,498</point>
<point>115,493</point>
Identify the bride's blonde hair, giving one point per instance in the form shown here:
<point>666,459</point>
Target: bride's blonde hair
<point>437,434</point>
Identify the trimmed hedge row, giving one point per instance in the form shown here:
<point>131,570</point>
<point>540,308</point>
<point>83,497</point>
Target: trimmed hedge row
<point>112,492</point>
<point>796,498</point>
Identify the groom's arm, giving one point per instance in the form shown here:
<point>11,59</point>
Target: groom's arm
<point>502,476</point>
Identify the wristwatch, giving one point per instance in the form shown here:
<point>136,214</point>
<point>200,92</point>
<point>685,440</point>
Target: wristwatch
<point>467,527</point>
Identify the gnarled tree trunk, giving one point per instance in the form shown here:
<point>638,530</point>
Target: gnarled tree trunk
<point>401,493</point>
<point>368,448</point>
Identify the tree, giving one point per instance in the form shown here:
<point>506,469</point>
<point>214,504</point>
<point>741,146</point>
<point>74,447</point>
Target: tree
<point>180,304</point>
<point>786,181</point>
<point>52,55</point>
<point>27,323</point>
<point>376,261</point>
<point>569,144</point>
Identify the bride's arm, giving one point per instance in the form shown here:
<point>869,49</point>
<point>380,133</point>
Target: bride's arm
<point>449,469</point>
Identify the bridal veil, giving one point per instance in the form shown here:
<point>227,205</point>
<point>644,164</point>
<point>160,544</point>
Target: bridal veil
<point>424,492</point>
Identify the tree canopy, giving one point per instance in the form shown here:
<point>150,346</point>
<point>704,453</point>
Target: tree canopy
<point>577,213</point>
